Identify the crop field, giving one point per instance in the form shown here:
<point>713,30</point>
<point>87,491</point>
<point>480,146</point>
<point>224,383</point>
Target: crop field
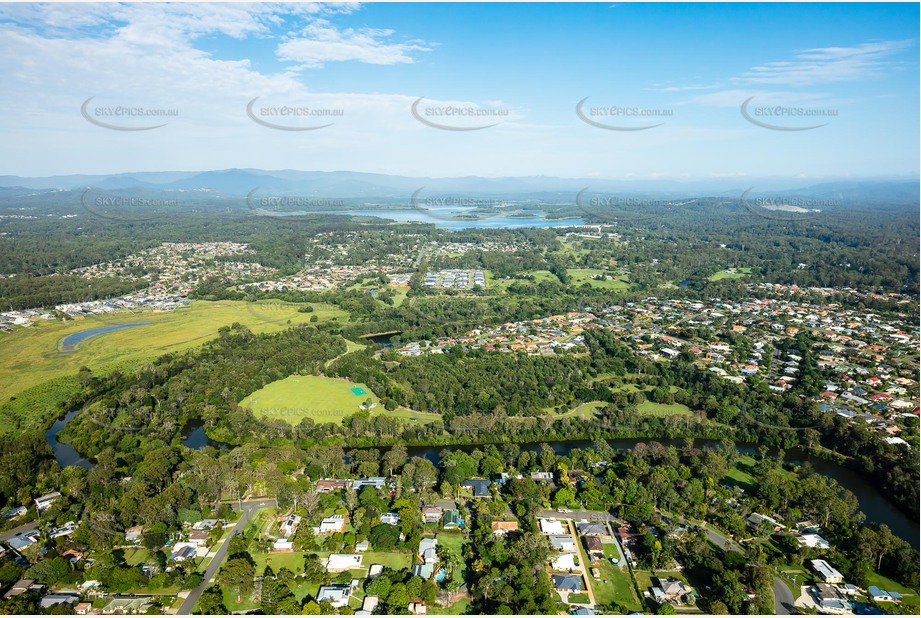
<point>33,356</point>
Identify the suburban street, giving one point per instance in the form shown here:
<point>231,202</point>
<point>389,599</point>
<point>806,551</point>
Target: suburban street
<point>783,598</point>
<point>6,536</point>
<point>249,507</point>
<point>576,515</point>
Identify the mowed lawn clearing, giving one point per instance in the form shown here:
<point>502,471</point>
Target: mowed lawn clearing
<point>325,400</point>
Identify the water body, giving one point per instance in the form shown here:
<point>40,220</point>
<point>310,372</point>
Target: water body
<point>65,454</point>
<point>70,341</point>
<point>440,219</point>
<point>194,437</point>
<point>873,503</point>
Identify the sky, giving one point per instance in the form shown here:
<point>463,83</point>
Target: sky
<point>606,90</point>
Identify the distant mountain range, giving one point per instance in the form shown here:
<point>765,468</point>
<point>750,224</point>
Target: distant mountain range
<point>239,182</point>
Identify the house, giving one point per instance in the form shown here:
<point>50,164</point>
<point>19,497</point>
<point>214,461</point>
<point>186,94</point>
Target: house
<point>452,520</point>
<point>552,526</point>
<point>428,550</point>
<point>813,541</point>
<point>878,594</point>
<point>392,519</point>
<point>594,547</point>
<point>583,611</point>
<point>336,563</point>
<point>289,526</point>
<point>567,583</point>
<point>205,524</point>
<point>362,546</point>
<point>335,523</point>
<point>504,527</point>
<point>830,599</point>
<point>375,570</point>
<point>541,476</point>
<point>43,502</point>
<point>670,590</point>
<point>127,605</point>
<point>423,571</point>
<point>82,609</point>
<point>431,514</point>
<point>417,607</point>
<point>337,594</point>
<point>325,486</point>
<point>757,520</point>
<point>370,602</point>
<point>23,585</point>
<point>198,537</point>
<point>59,598</point>
<point>282,545</point>
<point>563,543</point>
<point>827,572</point>
<point>592,528</point>
<point>133,534</point>
<point>23,540</point>
<point>14,513</point>
<point>564,562</point>
<point>377,482</point>
<point>183,551</point>
<point>66,530</point>
<point>479,487</point>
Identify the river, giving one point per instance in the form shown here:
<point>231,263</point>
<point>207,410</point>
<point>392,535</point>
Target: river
<point>873,503</point>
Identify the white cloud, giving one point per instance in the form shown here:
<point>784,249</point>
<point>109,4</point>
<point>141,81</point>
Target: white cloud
<point>321,42</point>
<point>827,65</point>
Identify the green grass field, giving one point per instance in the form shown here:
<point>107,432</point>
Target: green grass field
<point>325,400</point>
<point>737,273</point>
<point>586,411</point>
<point>30,357</point>
<point>584,275</point>
<point>650,408</point>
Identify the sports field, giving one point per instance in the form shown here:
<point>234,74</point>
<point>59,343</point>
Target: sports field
<point>325,400</point>
<point>33,355</point>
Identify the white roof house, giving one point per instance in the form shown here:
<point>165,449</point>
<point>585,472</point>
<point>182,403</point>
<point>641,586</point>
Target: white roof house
<point>564,562</point>
<point>827,572</point>
<point>343,562</point>
<point>427,550</point>
<point>552,526</point>
<point>337,595</point>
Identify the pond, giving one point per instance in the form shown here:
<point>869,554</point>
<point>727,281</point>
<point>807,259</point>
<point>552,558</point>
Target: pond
<point>194,437</point>
<point>65,454</point>
<point>70,342</point>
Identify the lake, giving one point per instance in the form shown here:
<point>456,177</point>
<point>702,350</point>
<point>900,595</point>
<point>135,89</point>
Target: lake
<point>441,219</point>
<point>70,341</point>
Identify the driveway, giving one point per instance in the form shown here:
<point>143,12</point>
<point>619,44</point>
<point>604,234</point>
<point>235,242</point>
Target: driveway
<point>6,536</point>
<point>249,508</point>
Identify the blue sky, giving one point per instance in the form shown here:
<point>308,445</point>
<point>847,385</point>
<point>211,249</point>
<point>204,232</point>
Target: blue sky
<point>687,68</point>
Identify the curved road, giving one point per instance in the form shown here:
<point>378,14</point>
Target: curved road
<point>783,598</point>
<point>249,507</point>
